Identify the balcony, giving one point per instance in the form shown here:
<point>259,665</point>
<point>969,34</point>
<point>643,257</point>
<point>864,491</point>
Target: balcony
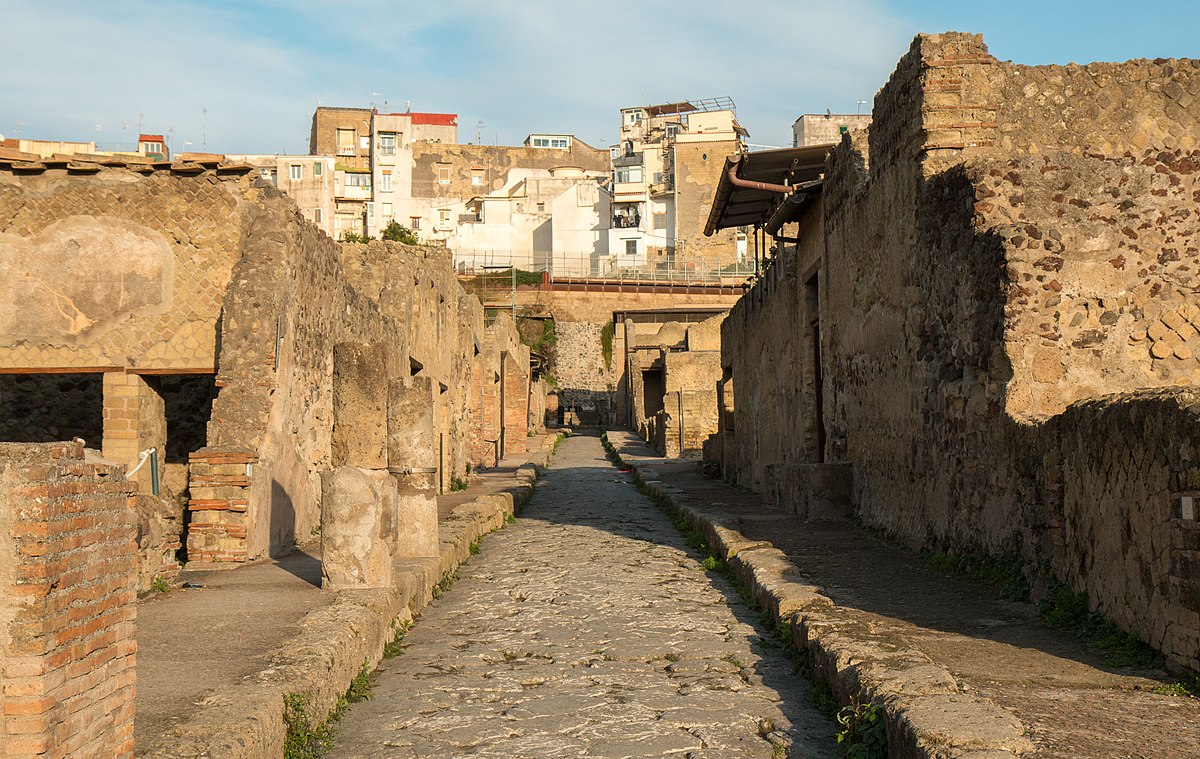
<point>629,159</point>
<point>354,192</point>
<point>626,221</point>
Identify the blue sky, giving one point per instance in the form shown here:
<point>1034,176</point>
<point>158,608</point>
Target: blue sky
<point>244,77</point>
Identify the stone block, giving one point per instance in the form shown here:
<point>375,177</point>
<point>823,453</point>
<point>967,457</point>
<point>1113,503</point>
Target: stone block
<point>360,387</point>
<point>358,528</point>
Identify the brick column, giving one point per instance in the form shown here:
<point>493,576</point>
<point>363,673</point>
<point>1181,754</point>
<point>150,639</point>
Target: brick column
<point>68,588</point>
<point>516,406</point>
<point>135,418</point>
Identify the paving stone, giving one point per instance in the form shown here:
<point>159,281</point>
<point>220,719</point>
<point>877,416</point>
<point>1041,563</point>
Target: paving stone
<point>587,628</point>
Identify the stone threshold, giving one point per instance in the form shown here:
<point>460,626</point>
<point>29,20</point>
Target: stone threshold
<point>337,641</point>
<point>927,714</point>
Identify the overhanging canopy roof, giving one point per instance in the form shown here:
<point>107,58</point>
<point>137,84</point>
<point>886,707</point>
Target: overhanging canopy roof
<point>795,168</point>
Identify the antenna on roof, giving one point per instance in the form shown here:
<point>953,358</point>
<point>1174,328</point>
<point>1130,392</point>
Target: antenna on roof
<point>861,103</point>
<point>479,132</point>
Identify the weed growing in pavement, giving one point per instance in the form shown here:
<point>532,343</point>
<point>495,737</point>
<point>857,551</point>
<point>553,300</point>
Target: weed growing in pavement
<point>395,646</point>
<point>864,731</point>
<point>1067,610</point>
<point>557,442</point>
<point>1002,576</point>
<point>1186,686</point>
<point>445,583</point>
<point>476,546</point>
<point>302,740</point>
<point>457,483</point>
<point>305,740</point>
<point>160,585</point>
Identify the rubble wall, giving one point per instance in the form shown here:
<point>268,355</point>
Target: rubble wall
<point>1008,265</point>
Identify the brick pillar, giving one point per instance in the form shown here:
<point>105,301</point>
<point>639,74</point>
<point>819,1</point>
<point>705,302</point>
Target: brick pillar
<point>68,588</point>
<point>485,399</point>
<point>135,418</point>
<point>959,100</point>
<point>516,406</point>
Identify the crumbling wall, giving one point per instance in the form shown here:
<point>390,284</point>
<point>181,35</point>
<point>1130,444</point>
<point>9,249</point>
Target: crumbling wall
<point>158,251</point>
<point>67,566</point>
<point>767,354</point>
<point>1003,257</point>
<point>1004,267</point>
<point>298,293</point>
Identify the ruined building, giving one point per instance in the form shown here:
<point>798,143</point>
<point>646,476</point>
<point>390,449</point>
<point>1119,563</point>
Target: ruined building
<point>671,371</point>
<point>983,333</point>
<point>184,323</point>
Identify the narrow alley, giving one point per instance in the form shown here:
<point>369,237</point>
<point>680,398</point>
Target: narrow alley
<point>587,628</point>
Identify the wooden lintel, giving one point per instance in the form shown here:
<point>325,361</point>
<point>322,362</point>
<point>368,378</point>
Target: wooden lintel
<point>59,369</point>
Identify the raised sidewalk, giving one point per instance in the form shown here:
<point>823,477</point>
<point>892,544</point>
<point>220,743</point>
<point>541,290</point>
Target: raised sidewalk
<point>961,674</point>
<point>215,663</point>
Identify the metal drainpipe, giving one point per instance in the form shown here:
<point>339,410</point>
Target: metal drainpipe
<point>750,184</point>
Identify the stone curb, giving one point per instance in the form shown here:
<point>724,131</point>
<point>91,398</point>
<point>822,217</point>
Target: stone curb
<point>928,715</point>
<point>335,642</point>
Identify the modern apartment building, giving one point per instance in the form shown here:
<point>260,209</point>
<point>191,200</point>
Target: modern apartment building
<point>665,168</point>
<point>826,128</point>
<point>410,167</point>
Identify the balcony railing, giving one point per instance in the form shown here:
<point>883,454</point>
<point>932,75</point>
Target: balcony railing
<point>715,269</point>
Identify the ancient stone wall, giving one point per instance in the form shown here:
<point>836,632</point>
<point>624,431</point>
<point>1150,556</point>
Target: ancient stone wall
<point>767,354</point>
<point>586,380</point>
<point>1128,539</point>
<point>297,294</point>
<point>215,273</point>
<point>175,239</point>
<point>67,566</point>
<point>1009,245</point>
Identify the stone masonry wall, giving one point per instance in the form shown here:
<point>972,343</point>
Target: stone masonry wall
<point>1020,240</point>
<point>67,566</point>
<point>175,238</point>
<point>297,293</point>
<point>1126,463</point>
<point>1009,256</point>
<point>586,383</point>
<point>769,367</point>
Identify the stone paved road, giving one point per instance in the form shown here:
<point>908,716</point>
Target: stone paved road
<point>587,629</point>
